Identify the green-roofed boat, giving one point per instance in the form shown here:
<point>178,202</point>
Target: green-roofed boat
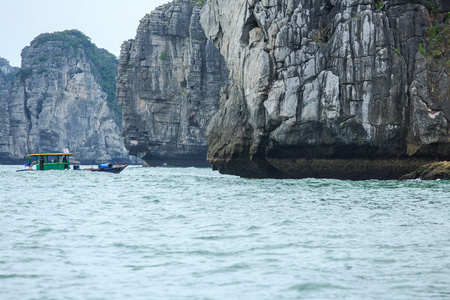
<point>60,161</point>
<point>47,161</point>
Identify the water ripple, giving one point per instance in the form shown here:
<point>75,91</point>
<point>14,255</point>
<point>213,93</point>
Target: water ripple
<point>172,233</point>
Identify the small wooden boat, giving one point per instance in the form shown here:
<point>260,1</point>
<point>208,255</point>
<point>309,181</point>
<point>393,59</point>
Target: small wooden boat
<point>108,168</point>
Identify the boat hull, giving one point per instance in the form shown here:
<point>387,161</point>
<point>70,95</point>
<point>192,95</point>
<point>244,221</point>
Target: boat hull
<point>113,169</point>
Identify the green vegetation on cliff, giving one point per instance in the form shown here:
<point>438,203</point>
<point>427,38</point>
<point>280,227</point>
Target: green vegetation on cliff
<point>104,64</point>
<point>438,34</point>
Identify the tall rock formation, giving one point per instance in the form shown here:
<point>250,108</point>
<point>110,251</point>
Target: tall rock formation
<point>7,74</point>
<point>330,88</point>
<point>168,86</point>
<point>63,96</point>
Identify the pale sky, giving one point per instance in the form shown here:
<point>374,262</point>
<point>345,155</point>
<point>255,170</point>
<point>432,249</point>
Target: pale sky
<point>107,22</point>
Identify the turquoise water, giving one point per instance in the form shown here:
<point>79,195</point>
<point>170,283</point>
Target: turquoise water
<point>172,233</point>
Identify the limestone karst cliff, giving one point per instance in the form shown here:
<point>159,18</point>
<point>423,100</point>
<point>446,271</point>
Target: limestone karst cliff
<point>63,96</point>
<point>168,86</point>
<point>7,73</point>
<point>330,88</point>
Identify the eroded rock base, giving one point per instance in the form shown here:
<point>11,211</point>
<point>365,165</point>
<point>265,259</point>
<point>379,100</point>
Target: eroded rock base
<point>354,169</point>
<point>432,171</point>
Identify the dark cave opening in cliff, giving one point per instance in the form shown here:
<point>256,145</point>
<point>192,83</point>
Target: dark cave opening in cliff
<point>249,26</point>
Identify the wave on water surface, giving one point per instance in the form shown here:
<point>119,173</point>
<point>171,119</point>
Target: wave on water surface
<point>191,233</point>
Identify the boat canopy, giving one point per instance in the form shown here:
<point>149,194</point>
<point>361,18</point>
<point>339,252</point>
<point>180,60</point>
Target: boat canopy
<point>49,154</point>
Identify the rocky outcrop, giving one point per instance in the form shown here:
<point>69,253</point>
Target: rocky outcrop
<point>433,171</point>
<point>330,88</point>
<point>6,71</point>
<point>168,86</point>
<point>7,74</point>
<point>60,99</point>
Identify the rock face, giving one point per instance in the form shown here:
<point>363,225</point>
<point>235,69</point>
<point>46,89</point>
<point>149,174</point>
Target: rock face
<point>7,74</point>
<point>168,86</point>
<point>330,88</point>
<point>59,99</point>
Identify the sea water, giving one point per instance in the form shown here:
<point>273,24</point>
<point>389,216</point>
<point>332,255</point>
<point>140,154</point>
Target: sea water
<point>173,233</point>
